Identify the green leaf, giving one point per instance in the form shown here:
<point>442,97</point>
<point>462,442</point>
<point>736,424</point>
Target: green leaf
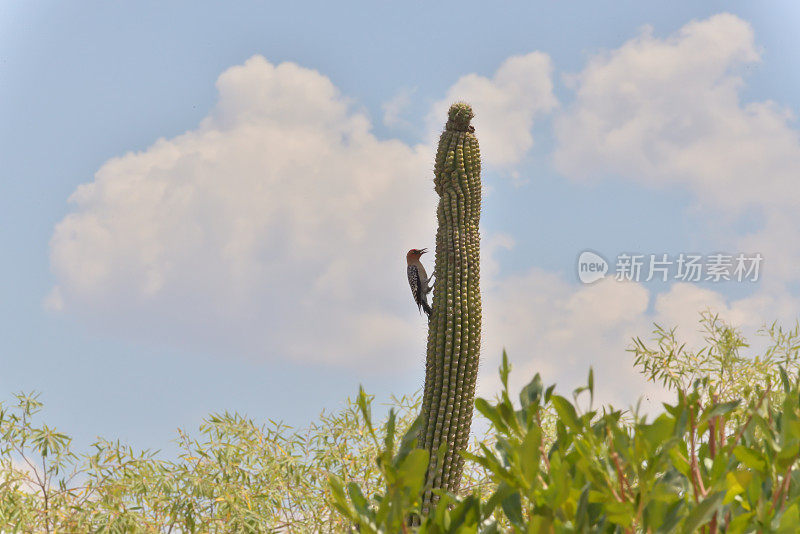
<point>566,412</point>
<point>339,500</point>
<point>539,524</point>
<point>363,402</point>
<point>411,471</point>
<point>788,455</point>
<point>390,426</point>
<point>512,507</point>
<point>741,524</point>
<point>465,516</point>
<point>789,520</point>
<point>503,490</point>
<point>702,512</point>
<point>719,409</point>
<point>736,483</point>
<point>784,379</point>
<point>357,498</point>
<point>582,511</point>
<point>509,416</point>
<point>491,413</point>
<point>410,438</point>
<point>530,455</point>
<point>532,393</point>
<point>659,430</point>
<point>671,519</point>
<point>749,457</point>
<point>505,369</point>
<point>620,513</point>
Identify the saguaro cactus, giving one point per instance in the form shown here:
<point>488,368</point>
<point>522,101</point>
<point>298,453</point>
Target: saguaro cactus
<point>454,332</point>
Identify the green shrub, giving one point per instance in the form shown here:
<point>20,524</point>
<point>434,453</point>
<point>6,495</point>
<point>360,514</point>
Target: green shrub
<point>721,457</point>
<point>704,464</point>
<point>235,476</point>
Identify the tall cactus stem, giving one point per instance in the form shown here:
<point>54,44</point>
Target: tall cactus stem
<point>454,333</point>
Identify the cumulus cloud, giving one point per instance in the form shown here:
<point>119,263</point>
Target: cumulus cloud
<point>662,112</point>
<point>552,327</point>
<point>750,314</point>
<point>505,105</point>
<point>665,111</point>
<point>559,329</point>
<point>239,234</point>
<point>271,230</point>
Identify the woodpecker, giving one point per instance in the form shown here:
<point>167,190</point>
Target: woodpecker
<point>418,279</point>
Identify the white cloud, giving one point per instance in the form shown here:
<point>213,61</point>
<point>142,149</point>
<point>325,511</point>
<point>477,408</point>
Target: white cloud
<point>560,329</point>
<point>749,314</point>
<point>776,241</point>
<point>666,111</point>
<point>505,106</point>
<point>552,327</point>
<point>274,229</point>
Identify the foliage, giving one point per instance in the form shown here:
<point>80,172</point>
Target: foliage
<point>236,476</point>
<point>710,462</point>
<point>730,375</point>
<point>404,469</point>
<point>701,465</point>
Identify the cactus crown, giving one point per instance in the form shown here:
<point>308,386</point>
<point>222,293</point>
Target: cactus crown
<point>458,117</point>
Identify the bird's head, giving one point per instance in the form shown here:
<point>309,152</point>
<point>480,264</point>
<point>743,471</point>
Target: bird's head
<point>415,253</point>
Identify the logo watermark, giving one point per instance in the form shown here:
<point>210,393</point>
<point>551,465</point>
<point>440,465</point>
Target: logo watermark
<point>717,267</point>
<point>591,267</point>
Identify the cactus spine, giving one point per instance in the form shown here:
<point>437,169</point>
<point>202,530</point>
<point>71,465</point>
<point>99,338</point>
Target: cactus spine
<point>454,332</point>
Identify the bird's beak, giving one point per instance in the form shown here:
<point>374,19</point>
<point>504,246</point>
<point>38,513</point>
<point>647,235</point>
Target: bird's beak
<point>423,251</point>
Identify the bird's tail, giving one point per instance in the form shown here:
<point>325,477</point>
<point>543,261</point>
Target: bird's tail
<point>426,308</point>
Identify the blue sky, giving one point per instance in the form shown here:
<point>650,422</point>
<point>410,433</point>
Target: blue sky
<point>203,273</point>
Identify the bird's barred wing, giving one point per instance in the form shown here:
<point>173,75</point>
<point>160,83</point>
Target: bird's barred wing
<point>415,282</point>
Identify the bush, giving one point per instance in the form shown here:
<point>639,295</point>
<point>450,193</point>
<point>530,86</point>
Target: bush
<point>236,476</point>
<point>709,462</point>
<point>721,457</point>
